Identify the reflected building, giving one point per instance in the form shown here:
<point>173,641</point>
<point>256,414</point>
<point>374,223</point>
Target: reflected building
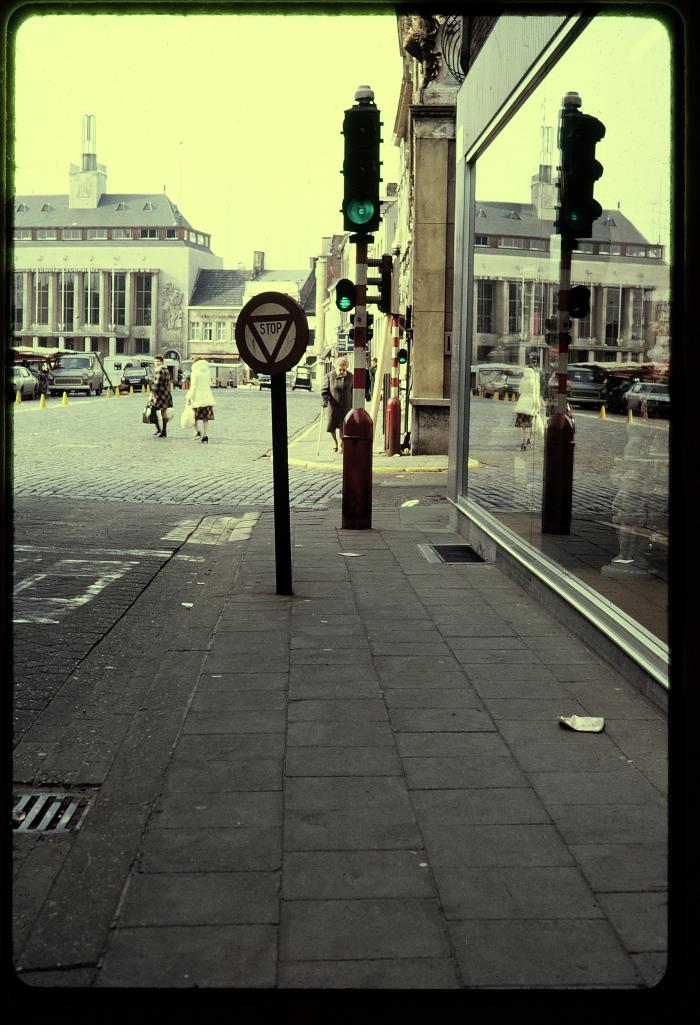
<point>516,281</point>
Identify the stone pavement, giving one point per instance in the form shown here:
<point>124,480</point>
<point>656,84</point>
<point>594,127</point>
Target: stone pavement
<point>364,784</point>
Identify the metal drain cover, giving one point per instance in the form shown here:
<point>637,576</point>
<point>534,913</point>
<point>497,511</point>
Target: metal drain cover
<point>450,553</point>
<point>41,811</point>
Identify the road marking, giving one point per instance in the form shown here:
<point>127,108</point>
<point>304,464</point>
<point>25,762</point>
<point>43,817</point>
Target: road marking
<point>163,553</point>
<point>43,608</point>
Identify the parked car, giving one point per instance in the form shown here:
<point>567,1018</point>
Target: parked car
<point>20,380</point>
<point>496,385</point>
<point>650,395</point>
<point>135,377</point>
<point>512,383</point>
<point>264,381</point>
<point>80,372</point>
<point>302,378</point>
<point>585,386</point>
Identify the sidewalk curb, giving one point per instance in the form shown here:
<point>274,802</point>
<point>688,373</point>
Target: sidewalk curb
<point>397,468</point>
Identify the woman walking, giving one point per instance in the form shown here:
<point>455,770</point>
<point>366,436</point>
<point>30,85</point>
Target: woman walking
<point>336,393</point>
<point>529,404</point>
<point>161,396</point>
<point>201,399</point>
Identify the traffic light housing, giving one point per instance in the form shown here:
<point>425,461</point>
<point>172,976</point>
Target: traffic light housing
<point>403,356</point>
<point>552,328</point>
<point>345,294</point>
<point>361,127</point>
<point>578,135</point>
<point>579,301</point>
<point>383,300</point>
<point>370,330</point>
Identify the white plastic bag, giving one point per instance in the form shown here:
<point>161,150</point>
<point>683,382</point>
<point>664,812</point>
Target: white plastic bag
<point>187,417</point>
<point>537,426</point>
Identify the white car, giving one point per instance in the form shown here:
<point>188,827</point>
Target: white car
<point>22,381</point>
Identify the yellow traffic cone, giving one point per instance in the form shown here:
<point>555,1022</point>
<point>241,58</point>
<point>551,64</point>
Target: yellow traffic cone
<point>108,393</point>
<point>18,397</point>
<point>65,398</point>
<point>42,402</point>
<point>601,413</point>
<point>131,389</point>
<point>630,416</point>
<point>117,392</point>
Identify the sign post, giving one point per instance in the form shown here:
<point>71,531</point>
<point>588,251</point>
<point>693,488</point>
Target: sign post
<point>272,334</point>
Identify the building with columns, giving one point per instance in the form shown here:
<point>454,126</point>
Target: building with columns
<point>95,271</point>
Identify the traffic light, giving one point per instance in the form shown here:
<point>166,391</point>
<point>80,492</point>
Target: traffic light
<point>345,295</point>
<point>552,328</point>
<point>361,164</point>
<point>403,356</point>
<point>370,331</point>
<point>383,300</point>
<point>578,135</point>
<point>579,301</point>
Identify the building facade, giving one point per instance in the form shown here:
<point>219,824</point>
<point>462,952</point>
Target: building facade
<point>95,271</point>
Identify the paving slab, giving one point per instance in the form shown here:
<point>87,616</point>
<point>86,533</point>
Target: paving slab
<point>385,974</point>
<point>329,875</point>
<point>200,898</point>
<point>552,892</point>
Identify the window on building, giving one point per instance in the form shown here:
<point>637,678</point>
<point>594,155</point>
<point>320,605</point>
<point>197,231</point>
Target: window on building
<point>635,251</point>
<point>41,298</point>
<point>585,247</point>
<point>148,233</point>
<point>22,233</point>
<point>171,232</point>
<point>121,206</point>
<point>18,301</point>
<point>615,249</point>
<point>637,325</point>
<point>655,252</point>
<point>484,306</point>
<point>220,331</point>
<point>97,233</point>
<point>117,298</point>
<point>200,239</point>
<point>148,205</point>
<point>21,208</point>
<point>613,303</point>
<point>120,346</point>
<point>66,301</point>
<point>515,307</point>
<point>46,233</point>
<point>207,330</point>
<point>45,208</point>
<point>538,243</point>
<point>121,233</point>
<point>603,249</point>
<point>481,240</point>
<point>143,299</point>
<point>511,243</point>
<point>71,234</point>
<point>91,297</point>
<point>141,346</point>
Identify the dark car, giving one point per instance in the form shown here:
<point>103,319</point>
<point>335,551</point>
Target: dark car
<point>585,386</point>
<point>20,380</point>
<point>302,378</point>
<point>135,377</point>
<point>264,381</point>
<point>651,397</point>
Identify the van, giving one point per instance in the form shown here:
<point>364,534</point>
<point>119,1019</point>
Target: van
<point>80,371</point>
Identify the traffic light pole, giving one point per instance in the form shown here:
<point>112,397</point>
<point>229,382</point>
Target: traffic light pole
<point>357,426</point>
<point>558,479</point>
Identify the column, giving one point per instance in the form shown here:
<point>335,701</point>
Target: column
<point>500,308</point>
<point>626,313</point>
<point>53,302</point>
<point>26,302</point>
<point>112,345</point>
<point>153,346</point>
<point>103,313</point>
<point>129,302</point>
<point>598,318</point>
<point>77,303</point>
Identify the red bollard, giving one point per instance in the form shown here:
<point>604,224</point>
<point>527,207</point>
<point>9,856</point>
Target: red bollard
<point>357,470</point>
<point>558,479</point>
<point>392,427</point>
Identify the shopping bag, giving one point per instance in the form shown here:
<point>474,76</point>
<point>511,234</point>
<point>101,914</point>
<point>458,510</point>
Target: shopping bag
<point>148,414</point>
<point>187,417</point>
<point>537,426</point>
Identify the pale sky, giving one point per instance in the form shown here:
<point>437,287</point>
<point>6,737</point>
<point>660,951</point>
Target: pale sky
<point>238,116</point>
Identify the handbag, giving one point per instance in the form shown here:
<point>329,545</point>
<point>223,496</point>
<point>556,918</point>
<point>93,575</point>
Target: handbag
<point>148,414</point>
<point>187,417</point>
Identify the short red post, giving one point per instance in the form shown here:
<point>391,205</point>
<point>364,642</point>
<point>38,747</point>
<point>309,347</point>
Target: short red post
<point>357,471</point>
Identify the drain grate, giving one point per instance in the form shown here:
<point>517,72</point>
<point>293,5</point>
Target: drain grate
<point>450,553</point>
<point>42,811</point>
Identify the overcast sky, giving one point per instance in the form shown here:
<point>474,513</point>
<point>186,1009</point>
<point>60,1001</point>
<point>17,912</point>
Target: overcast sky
<point>239,116</point>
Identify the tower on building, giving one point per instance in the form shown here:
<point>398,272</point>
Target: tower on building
<point>89,181</point>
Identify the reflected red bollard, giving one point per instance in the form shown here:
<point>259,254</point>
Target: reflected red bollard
<point>357,470</point>
<point>392,427</point>
<point>558,479</point>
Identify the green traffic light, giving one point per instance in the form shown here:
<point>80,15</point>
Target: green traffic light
<point>360,211</point>
<point>345,303</point>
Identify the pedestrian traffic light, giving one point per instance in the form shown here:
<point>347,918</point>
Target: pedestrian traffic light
<point>361,164</point>
<point>345,294</point>
<point>579,301</point>
<point>403,356</point>
<point>383,300</point>
<point>370,329</point>
<point>578,135</point>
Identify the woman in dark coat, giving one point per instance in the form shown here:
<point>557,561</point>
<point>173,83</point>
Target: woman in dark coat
<point>336,393</point>
<point>161,396</point>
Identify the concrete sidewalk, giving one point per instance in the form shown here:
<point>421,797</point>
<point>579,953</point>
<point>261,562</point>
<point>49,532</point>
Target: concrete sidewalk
<point>364,784</point>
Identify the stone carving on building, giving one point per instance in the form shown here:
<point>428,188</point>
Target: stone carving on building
<point>420,43</point>
<point>171,307</point>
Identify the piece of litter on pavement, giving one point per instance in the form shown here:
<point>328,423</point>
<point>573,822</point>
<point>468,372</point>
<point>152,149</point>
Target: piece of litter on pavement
<point>582,723</point>
<point>411,501</point>
<point>351,555</point>
<point>187,604</point>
